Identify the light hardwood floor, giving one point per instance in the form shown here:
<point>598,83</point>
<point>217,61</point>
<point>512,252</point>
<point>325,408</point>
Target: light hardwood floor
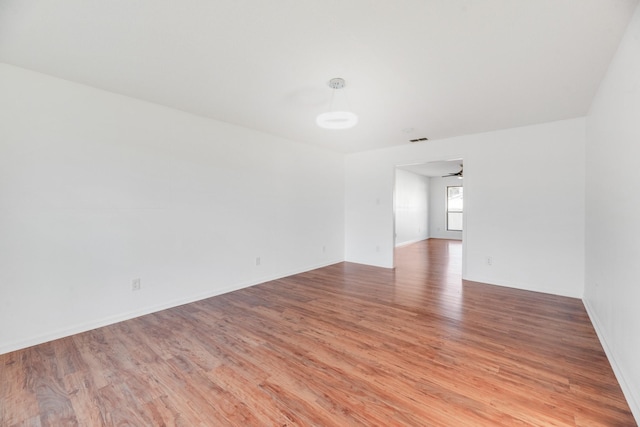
<point>338,346</point>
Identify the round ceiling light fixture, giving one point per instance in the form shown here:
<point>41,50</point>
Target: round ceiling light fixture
<point>337,119</point>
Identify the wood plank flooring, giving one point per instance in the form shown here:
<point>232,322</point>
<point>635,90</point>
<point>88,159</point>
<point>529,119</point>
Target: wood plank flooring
<point>343,345</point>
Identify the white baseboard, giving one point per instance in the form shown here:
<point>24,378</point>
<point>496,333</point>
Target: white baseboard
<point>109,320</point>
<point>523,286</point>
<point>629,393</point>
<point>410,242</point>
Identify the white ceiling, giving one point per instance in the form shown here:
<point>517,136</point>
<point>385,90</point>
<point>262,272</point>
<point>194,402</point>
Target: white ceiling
<point>435,169</point>
<point>439,67</point>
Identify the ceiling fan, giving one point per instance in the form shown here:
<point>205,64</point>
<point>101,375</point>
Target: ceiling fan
<point>458,174</point>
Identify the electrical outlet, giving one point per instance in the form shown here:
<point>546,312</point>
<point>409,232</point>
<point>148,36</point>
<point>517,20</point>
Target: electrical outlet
<point>136,285</point>
<point>324,249</point>
<point>257,260</point>
<point>489,260</point>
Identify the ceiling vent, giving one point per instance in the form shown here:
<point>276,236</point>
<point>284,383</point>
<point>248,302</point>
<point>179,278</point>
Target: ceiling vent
<point>413,141</point>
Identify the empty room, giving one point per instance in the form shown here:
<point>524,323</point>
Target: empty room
<point>296,213</point>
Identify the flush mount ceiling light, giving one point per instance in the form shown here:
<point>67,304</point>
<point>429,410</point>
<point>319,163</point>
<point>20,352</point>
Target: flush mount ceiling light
<point>337,119</point>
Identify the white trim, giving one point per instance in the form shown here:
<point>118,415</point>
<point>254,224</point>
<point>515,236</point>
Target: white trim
<point>84,327</point>
<point>410,242</point>
<point>521,286</point>
<point>629,393</point>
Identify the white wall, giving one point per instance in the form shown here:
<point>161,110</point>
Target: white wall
<point>612,291</point>
<point>438,207</point>
<point>532,226</point>
<point>411,207</point>
<point>97,189</point>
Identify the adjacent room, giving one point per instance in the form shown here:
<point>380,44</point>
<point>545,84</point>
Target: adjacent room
<point>319,213</point>
<point>429,201</point>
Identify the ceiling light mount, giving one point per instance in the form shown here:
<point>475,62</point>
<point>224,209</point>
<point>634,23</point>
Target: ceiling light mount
<point>337,118</point>
<point>336,83</point>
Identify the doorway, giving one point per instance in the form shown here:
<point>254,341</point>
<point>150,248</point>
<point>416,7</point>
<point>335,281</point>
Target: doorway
<point>428,202</point>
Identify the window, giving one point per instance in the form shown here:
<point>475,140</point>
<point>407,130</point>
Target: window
<point>454,208</point>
